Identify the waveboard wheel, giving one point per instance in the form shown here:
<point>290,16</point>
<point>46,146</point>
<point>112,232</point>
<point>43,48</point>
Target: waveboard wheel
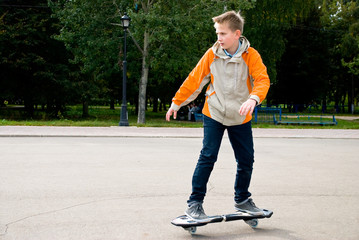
<point>191,230</point>
<point>253,223</point>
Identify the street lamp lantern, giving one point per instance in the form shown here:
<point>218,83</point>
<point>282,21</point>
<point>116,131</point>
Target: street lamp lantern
<point>125,20</point>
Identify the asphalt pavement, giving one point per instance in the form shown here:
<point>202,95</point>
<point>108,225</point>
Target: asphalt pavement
<point>129,183</point>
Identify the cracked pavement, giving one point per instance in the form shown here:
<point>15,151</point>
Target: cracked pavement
<point>123,187</point>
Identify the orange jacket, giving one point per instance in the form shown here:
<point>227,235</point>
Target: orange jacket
<point>231,82</point>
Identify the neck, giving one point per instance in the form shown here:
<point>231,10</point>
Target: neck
<point>233,49</point>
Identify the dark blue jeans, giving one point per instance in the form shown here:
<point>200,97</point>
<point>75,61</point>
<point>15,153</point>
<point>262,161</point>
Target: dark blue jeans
<point>241,140</point>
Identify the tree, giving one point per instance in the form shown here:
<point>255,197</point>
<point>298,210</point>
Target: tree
<point>303,69</point>
<point>342,19</point>
<point>88,34</point>
<point>266,24</point>
<point>174,35</point>
<point>33,65</point>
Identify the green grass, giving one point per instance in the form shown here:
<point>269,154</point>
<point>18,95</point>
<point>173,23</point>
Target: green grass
<point>99,117</point>
<point>342,124</point>
<point>105,117</point>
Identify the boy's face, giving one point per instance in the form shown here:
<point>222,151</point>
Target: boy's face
<point>226,37</point>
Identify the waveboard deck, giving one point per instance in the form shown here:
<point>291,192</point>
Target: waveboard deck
<point>191,225</point>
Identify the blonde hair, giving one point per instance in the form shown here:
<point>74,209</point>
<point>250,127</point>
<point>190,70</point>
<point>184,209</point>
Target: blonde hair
<point>235,20</point>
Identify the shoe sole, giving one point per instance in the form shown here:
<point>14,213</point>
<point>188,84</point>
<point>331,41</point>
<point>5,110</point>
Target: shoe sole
<point>249,212</point>
<point>204,220</point>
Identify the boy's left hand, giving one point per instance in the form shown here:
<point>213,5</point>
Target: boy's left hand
<point>248,107</point>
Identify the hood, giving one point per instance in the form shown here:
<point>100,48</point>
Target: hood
<point>218,50</point>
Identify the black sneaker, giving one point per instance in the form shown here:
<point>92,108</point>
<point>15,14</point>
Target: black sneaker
<point>248,206</point>
<point>196,212</point>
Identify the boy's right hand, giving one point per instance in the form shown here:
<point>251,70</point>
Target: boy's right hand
<point>169,114</point>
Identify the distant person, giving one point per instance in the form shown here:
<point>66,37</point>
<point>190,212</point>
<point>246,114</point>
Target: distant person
<point>238,81</point>
<point>192,109</point>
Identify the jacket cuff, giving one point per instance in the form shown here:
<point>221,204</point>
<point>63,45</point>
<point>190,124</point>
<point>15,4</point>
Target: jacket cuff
<point>175,107</point>
<point>255,97</point>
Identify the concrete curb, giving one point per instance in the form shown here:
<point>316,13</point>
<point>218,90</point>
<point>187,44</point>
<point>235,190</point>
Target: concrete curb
<point>150,132</point>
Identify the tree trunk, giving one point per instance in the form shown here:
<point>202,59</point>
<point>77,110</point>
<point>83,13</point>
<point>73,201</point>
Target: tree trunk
<point>29,107</point>
<point>324,105</point>
<point>350,99</point>
<point>85,109</point>
<point>352,107</point>
<point>143,83</point>
<point>155,104</point>
<point>163,105</point>
<point>112,103</point>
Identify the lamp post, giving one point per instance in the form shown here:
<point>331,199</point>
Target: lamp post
<point>125,21</point>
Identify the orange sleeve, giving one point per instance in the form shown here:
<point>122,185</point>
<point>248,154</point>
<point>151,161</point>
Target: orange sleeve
<point>258,72</point>
<point>195,82</point>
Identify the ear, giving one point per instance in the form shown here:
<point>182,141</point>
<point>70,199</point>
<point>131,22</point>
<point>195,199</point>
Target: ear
<point>238,33</point>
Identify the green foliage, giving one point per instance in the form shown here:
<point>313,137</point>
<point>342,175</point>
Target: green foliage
<point>341,19</point>
<point>88,34</point>
<point>32,64</point>
<point>303,68</point>
<point>103,117</point>
<point>36,68</point>
<point>352,65</point>
<point>180,33</point>
<point>266,24</point>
